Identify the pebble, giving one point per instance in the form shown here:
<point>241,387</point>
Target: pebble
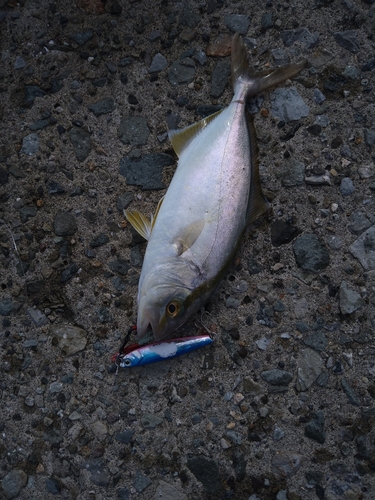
<point>181,72</point>
<point>302,35</point>
<point>277,377</point>
<point>346,187</point>
<point>102,107</point>
<point>141,482</point>
<point>280,57</point>
<point>99,240</point>
<point>150,421</point>
<point>364,249</point>
<point>278,434</point>
<point>317,340</point>
<point>310,253</point>
<point>81,37</point>
<point>133,130</point>
<point>30,145</point>
<point>65,224</point>
<point>315,428</point>
<point>350,300</point>
<point>19,63</point>
<point>207,472</point>
<point>335,242</point>
<point>301,308</point>
<point>31,92</point>
<point>347,40</point>
<point>237,23</point>
<point>53,485</point>
<point>309,367</point>
<point>287,105</point>
<point>6,307</point>
<point>293,173</point>
<point>220,78</point>
<point>159,63</point>
<point>166,491</point>
<point>282,232</point>
<point>350,394</point>
<point>125,437</point>
<point>81,142</point>
<point>369,135</point>
<point>286,463</point>
<point>13,482</point>
<point>358,223</point>
<point>146,171</point>
<point>319,97</point>
<point>220,47</point>
<point>71,339</point>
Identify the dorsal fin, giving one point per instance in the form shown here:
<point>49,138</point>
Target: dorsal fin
<point>180,139</point>
<point>257,202</point>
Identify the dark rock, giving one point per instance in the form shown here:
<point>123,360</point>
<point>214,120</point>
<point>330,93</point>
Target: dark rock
<point>350,300</point>
<point>65,224</point>
<point>27,212</point>
<point>350,394</point>
<point>310,253</point>
<point>120,266</point>
<point>253,266</point>
<point>124,200</point>
<point>181,72</point>
<point>369,137</point>
<point>369,65</point>
<point>282,232</point>
<point>81,142</point>
<point>302,35</point>
<point>123,494</point>
<point>293,173</point>
<point>81,37</point>
<point>150,421</point>
<point>346,186</point>
<point>317,341</point>
<point>39,125</point>
<point>264,316</point>
<point>13,483</point>
<point>125,437</point>
<point>100,477</point>
<point>55,188</point>
<point>141,482</point>
<point>237,23</point>
<point>53,485</point>
<point>220,78</point>
<point>102,107</point>
<point>3,176</point>
<point>277,377</point>
<point>206,471</point>
<point>100,240</point>
<point>104,314</point>
<point>146,171</point>
<point>315,428</point>
<point>266,21</point>
<point>68,273</point>
<point>31,92</point>
<point>30,144</point>
<point>239,465</point>
<point>159,63</point>
<point>347,40</point>
<point>133,130</point>
<point>189,17</point>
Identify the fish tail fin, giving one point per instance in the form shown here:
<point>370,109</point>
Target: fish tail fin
<point>249,83</point>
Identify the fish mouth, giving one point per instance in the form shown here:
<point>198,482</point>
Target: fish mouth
<point>147,320</point>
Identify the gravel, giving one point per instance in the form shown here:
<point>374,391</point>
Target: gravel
<point>281,406</point>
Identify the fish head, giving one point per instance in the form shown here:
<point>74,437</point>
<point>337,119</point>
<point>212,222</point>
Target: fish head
<point>165,298</point>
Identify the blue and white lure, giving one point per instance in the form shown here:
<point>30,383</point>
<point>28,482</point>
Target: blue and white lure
<point>139,355</point>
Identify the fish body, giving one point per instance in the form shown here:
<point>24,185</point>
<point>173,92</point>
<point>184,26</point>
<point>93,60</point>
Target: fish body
<point>214,193</point>
<point>160,351</point>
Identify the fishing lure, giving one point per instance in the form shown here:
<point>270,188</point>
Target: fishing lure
<point>138,355</point>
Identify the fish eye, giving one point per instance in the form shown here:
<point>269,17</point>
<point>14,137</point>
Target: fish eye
<point>127,362</point>
<point>173,308</point>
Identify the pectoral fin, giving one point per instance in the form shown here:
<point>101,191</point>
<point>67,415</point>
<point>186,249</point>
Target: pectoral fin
<point>188,236</point>
<point>141,223</point>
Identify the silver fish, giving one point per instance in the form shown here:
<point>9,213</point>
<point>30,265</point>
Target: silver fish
<point>214,193</point>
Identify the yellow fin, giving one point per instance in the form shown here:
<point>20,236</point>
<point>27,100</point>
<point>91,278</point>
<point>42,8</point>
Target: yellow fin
<point>188,236</point>
<point>180,139</point>
<point>141,223</point>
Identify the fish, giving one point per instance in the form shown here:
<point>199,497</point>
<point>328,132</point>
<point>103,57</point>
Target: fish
<point>214,193</point>
<point>139,355</point>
